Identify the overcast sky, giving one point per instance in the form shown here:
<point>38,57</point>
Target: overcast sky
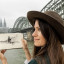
<point>12,9</point>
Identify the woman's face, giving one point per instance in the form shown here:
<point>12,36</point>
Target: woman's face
<point>39,39</point>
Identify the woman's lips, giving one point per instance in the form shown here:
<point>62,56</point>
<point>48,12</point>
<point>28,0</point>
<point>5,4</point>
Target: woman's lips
<point>36,39</point>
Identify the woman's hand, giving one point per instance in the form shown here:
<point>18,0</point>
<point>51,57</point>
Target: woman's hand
<point>26,50</point>
<point>2,57</point>
<point>24,43</point>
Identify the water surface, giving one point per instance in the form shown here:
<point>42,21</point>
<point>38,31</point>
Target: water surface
<point>17,56</point>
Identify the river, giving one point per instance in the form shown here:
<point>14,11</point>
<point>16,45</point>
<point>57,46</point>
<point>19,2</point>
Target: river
<point>17,56</point>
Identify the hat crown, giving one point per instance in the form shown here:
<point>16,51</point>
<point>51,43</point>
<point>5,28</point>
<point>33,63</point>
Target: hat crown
<point>55,15</point>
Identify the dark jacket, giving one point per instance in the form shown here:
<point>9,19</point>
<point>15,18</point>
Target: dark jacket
<point>34,61</point>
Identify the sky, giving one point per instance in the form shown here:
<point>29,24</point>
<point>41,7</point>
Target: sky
<point>13,9</point>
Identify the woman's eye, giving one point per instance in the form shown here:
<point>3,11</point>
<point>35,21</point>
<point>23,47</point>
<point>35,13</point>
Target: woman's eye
<point>38,29</point>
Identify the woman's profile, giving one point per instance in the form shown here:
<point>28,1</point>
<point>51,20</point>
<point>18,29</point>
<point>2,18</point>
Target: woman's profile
<point>48,38</point>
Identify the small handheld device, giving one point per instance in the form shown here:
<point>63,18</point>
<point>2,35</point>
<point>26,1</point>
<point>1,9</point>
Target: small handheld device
<point>10,40</point>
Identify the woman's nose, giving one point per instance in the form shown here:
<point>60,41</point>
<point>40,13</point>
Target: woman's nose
<point>34,34</point>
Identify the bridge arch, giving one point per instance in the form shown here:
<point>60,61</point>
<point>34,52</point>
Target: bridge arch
<point>22,23</point>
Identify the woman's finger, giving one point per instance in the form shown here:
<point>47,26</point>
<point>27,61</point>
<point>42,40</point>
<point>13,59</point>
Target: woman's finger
<point>24,43</point>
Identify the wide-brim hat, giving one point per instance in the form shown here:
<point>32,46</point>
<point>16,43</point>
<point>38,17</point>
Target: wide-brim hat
<point>52,18</point>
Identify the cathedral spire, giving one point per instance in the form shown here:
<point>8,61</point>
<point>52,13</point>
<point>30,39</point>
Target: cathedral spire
<point>4,24</point>
<point>0,22</point>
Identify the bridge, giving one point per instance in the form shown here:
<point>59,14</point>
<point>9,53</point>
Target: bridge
<point>55,5</point>
<point>22,25</point>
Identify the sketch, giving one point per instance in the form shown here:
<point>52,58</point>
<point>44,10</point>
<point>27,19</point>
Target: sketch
<point>11,40</point>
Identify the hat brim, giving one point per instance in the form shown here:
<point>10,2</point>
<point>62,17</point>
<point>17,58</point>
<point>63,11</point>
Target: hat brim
<point>53,22</point>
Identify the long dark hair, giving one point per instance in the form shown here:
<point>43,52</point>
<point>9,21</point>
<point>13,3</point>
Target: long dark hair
<point>53,45</point>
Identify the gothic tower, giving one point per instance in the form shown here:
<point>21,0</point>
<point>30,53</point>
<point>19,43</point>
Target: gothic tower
<point>4,24</point>
<point>0,22</point>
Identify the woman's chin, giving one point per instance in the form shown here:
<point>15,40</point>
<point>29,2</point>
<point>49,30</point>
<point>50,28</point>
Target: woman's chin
<point>35,44</point>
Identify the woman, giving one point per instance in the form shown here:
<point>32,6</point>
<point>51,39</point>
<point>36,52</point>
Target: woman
<point>48,36</point>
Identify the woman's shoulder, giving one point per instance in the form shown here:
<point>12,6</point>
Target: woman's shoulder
<point>33,61</point>
<point>42,59</point>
